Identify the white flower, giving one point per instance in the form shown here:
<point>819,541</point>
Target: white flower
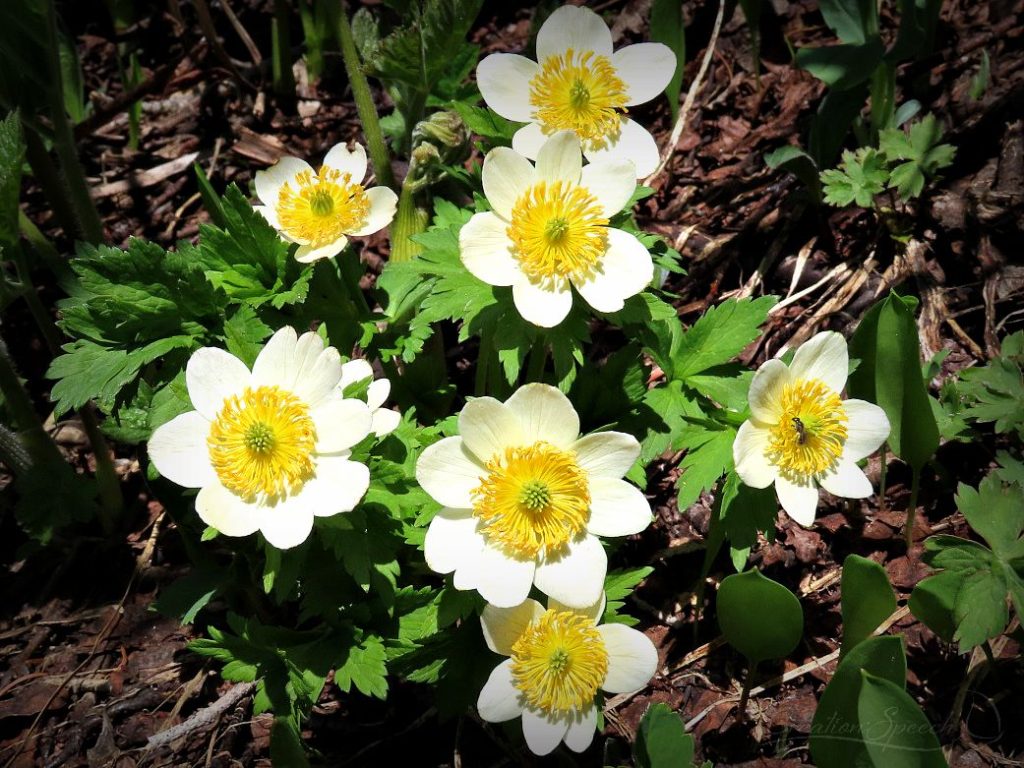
<point>268,449</point>
<point>548,230</point>
<point>384,419</point>
<point>559,658</point>
<point>319,210</point>
<point>579,85</point>
<point>802,435</point>
<point>525,498</point>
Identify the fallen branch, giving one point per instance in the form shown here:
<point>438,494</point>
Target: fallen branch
<point>203,718</point>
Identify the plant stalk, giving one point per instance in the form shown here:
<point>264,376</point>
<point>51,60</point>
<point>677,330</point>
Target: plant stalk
<point>281,60</point>
<point>915,481</point>
<point>364,104</point>
<point>49,179</point>
<point>741,714</point>
<point>89,222</point>
<point>34,440</point>
<point>35,307</point>
<point>884,458</point>
<point>409,220</point>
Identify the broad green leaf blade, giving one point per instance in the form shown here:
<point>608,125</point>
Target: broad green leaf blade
<point>667,28</point>
<point>895,731</point>
<point>720,334</point>
<point>842,67</point>
<point>853,21</point>
<point>800,164</point>
<point>286,744</point>
<point>759,617</point>
<point>832,122</point>
<point>12,149</point>
<point>995,511</point>
<point>746,512</point>
<point>835,731</point>
<point>932,603</point>
<point>662,740</point>
<point>867,599</point>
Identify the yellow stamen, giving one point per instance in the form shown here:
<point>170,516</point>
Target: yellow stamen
<point>322,207</point>
<point>534,500</point>
<point>811,431</point>
<point>559,662</point>
<point>579,92</point>
<point>558,231</point>
<point>262,442</point>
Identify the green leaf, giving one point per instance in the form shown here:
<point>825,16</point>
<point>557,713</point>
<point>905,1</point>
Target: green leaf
<point>996,512</point>
<point>867,599</point>
<point>486,123</point>
<point>895,731</point>
<point>842,67</point>
<point>12,150</point>
<point>244,334</point>
<point>921,149</point>
<point>286,748</point>
<point>994,391</point>
<point>800,164</point>
<point>662,740</point>
<point>836,735</point>
<point>932,603</point>
<point>666,27</point>
<point>860,177</point>
<point>618,585</point>
<point>853,21</point>
<point>366,668</point>
<point>746,512</point>
<point>69,498</point>
<point>831,123</point>
<point>979,83</point>
<point>708,457</point>
<point>720,334</point>
<point>759,617</point>
<point>211,200</point>
<point>187,596</point>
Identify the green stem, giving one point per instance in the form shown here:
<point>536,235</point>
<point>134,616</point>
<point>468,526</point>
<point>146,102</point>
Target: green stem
<point>987,648</point>
<point>312,38</point>
<point>64,141</point>
<point>884,458</point>
<point>281,55</point>
<point>111,499</point>
<point>13,453</point>
<point>36,443</point>
<point>409,220</point>
<point>364,104</point>
<point>35,307</point>
<point>483,365</point>
<point>741,714</point>
<point>351,268</point>
<point>538,358</point>
<point>45,250</point>
<point>915,479</point>
<point>45,172</point>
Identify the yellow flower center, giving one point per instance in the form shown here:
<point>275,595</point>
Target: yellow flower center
<point>579,92</point>
<point>557,231</point>
<point>559,662</point>
<point>262,442</point>
<point>322,207</point>
<point>534,500</point>
<point>811,432</point>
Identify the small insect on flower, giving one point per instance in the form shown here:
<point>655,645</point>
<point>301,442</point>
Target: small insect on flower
<point>579,84</point>
<point>268,449</point>
<point>801,434</point>
<point>319,210</point>
<point>558,660</point>
<point>525,498</point>
<point>548,231</point>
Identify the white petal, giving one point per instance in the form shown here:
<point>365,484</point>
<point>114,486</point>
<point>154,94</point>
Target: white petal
<point>577,578</point>
<point>573,27</point>
<point>765,394</point>
<point>301,366</point>
<point>502,580</point>
<point>269,182</point>
<point>340,424</point>
<point>560,159</point>
<point>499,698</point>
<point>749,453</point>
<point>230,514</point>
<point>632,658</point>
<point>339,485</point>
<point>635,144</point>
<point>385,421</point>
<point>607,454</point>
<point>451,537</point>
<point>544,306</point>
<point>486,250</point>
<point>867,428</point>
<point>617,508</point>
<point>542,732</point>
<point>545,413</point>
<point>179,452</point>
<point>847,480</point>
<point>504,82</point>
<point>646,68</point>
<point>449,473</point>
<point>352,162</point>
<point>377,393</point>
<point>506,176</point>
<point>269,214</point>
<point>800,500</point>
<point>353,371</point>
<point>213,375</point>
<point>503,626</point>
<point>488,427</point>
<point>383,204</point>
<point>287,522</point>
<point>625,270</point>
<point>824,357</point>
<point>307,254</point>
<point>581,730</point>
<point>593,612</point>
<point>528,140</point>
<point>612,182</point>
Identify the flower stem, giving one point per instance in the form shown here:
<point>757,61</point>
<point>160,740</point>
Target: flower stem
<point>908,531</point>
<point>35,307</point>
<point>64,141</point>
<point>49,179</point>
<point>364,104</point>
<point>483,364</point>
<point>884,458</point>
<point>741,713</point>
<point>281,54</point>
<point>111,499</point>
<point>409,220</point>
